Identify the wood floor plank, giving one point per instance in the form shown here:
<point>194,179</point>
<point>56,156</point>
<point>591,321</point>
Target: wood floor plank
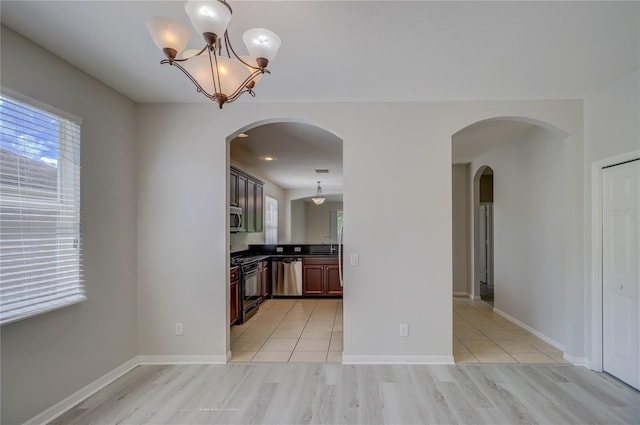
<point>359,394</point>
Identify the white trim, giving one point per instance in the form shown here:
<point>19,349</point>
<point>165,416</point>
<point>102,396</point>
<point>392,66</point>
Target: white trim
<point>373,359</point>
<point>577,361</point>
<point>540,335</point>
<point>179,359</point>
<point>595,362</point>
<point>41,105</point>
<point>229,354</point>
<point>79,396</point>
<point>462,294</point>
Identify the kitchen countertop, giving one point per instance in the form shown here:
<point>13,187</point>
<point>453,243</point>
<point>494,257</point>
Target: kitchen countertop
<point>274,252</point>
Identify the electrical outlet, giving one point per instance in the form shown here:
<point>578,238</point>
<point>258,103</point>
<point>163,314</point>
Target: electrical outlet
<point>179,329</point>
<point>355,259</point>
<point>404,329</point>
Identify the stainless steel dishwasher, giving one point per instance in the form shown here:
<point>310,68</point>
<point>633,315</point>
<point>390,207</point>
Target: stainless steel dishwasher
<point>287,276</point>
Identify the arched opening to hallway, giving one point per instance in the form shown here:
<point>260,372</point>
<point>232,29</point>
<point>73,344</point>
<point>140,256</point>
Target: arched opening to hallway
<point>514,240</point>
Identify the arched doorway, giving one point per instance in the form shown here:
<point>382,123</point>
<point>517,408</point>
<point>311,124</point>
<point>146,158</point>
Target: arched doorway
<point>287,158</point>
<point>517,241</point>
<point>483,247</point>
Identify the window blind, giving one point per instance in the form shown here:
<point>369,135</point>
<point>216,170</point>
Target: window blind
<point>271,221</point>
<point>40,252</point>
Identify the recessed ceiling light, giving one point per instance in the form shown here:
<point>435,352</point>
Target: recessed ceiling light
<point>243,135</point>
<point>267,158</point>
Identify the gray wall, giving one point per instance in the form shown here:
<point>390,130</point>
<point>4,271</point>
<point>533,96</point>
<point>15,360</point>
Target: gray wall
<point>460,231</point>
<point>529,229</point>
<point>48,357</point>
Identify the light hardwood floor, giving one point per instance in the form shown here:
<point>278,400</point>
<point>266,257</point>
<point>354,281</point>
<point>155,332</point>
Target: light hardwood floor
<point>349,394</point>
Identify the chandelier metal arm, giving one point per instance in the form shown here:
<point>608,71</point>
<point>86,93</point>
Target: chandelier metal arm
<point>229,46</point>
<point>246,86</point>
<point>220,98</point>
<point>214,73</point>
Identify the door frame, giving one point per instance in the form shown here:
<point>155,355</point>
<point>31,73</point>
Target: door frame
<point>597,342</point>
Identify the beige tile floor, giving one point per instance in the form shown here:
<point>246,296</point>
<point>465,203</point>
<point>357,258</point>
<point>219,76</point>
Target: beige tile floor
<point>482,336</point>
<point>291,330</point>
<point>310,330</point>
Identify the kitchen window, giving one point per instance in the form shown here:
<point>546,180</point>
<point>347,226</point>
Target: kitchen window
<point>270,221</point>
<point>40,260</point>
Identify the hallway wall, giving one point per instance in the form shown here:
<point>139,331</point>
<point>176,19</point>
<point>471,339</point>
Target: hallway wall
<point>460,229</point>
<point>529,233</point>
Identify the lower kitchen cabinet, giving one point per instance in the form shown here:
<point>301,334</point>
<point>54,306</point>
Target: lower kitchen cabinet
<point>321,277</point>
<point>234,298</point>
<point>264,279</point>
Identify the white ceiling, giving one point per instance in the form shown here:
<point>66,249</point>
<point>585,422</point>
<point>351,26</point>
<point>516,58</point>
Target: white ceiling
<point>357,51</point>
<point>299,149</point>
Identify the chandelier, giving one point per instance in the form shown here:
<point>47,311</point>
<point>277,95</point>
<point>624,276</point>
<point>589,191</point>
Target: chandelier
<point>217,70</point>
<point>319,199</point>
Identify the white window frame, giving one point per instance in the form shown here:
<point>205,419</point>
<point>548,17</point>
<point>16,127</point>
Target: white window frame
<point>44,272</point>
<point>270,220</point>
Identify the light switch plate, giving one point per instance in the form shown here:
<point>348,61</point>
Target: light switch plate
<point>354,259</point>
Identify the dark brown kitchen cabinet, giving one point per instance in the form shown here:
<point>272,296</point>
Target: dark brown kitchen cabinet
<point>259,216</point>
<point>248,194</point>
<point>321,277</point>
<point>264,277</point>
<point>233,188</point>
<point>234,295</point>
<point>242,196</point>
<point>250,211</point>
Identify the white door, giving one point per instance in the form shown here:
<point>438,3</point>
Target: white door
<point>621,272</point>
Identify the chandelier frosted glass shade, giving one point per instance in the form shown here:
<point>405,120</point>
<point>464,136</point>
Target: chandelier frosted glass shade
<point>209,16</point>
<point>261,43</point>
<point>216,70</point>
<point>168,34</point>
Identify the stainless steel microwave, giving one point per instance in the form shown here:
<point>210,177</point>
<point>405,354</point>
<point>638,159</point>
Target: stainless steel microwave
<point>236,223</point>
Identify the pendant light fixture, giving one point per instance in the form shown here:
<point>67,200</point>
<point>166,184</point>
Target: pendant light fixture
<point>217,71</point>
<point>319,199</point>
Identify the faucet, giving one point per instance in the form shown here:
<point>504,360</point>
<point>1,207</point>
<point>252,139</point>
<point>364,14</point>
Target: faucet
<point>331,249</point>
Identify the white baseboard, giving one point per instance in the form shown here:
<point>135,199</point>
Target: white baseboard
<point>178,359</point>
<point>86,392</point>
<point>82,394</point>
<point>461,294</point>
<point>530,329</point>
<point>365,359</point>
<point>577,361</point>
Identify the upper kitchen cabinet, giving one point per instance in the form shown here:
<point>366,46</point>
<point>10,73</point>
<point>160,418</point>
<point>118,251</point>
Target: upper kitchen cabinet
<point>233,188</point>
<point>248,194</point>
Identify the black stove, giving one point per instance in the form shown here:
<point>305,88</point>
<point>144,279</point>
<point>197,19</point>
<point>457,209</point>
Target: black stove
<point>238,261</point>
<point>250,293</point>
